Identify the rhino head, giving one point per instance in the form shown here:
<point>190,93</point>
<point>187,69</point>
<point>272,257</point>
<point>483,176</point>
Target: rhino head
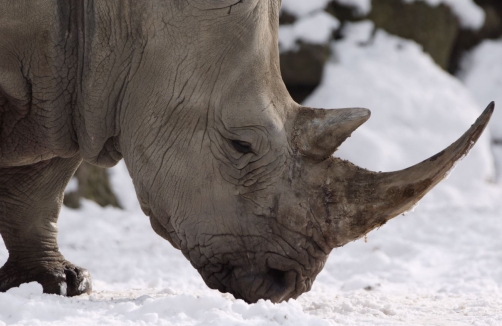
<point>230,169</point>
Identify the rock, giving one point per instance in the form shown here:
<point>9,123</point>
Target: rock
<point>286,18</point>
<point>93,184</point>
<point>468,39</point>
<point>435,28</point>
<point>302,70</point>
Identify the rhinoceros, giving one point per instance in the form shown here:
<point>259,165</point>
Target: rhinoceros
<point>229,169</point>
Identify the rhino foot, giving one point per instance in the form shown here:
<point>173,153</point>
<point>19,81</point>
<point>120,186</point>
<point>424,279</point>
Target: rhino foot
<point>61,277</point>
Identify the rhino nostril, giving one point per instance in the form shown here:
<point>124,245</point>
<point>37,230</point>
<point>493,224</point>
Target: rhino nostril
<point>278,277</point>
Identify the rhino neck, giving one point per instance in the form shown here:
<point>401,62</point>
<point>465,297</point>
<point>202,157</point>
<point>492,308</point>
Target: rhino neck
<point>110,44</point>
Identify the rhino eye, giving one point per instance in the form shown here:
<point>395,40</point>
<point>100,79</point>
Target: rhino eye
<point>242,146</point>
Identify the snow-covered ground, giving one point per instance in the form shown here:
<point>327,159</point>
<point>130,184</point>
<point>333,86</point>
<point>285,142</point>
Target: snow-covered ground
<point>440,265</point>
<point>437,266</point>
<point>482,74</point>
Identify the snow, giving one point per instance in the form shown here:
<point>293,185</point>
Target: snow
<point>471,16</point>
<point>417,108</point>
<point>432,267</point>
<point>300,8</point>
<point>316,28</point>
<point>439,265</point>
<point>482,75</point>
<point>497,153</point>
<point>72,185</point>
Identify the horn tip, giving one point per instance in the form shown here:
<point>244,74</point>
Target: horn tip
<point>490,108</point>
<point>487,114</point>
<point>362,113</point>
<point>367,112</point>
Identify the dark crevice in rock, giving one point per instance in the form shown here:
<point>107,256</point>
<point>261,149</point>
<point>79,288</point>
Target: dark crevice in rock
<point>300,92</point>
<point>343,13</point>
<point>302,70</point>
<point>286,18</point>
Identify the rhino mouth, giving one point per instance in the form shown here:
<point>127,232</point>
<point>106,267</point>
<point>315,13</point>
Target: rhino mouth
<point>251,282</point>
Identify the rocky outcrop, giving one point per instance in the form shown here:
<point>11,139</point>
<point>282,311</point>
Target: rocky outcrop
<point>302,69</point>
<point>93,184</point>
<point>468,39</point>
<point>436,28</point>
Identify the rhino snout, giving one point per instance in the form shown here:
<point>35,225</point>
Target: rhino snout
<point>273,281</point>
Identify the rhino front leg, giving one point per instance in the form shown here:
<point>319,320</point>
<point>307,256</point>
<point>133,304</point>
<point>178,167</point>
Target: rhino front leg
<point>30,201</point>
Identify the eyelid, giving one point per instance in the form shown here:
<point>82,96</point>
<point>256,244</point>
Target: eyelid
<point>242,146</point>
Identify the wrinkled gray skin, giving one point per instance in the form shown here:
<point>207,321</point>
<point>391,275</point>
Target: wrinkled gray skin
<point>230,170</point>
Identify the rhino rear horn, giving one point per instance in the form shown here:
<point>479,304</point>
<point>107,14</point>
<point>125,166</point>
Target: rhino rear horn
<point>319,132</point>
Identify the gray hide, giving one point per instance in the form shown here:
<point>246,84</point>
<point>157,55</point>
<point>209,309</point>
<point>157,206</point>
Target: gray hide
<point>227,166</point>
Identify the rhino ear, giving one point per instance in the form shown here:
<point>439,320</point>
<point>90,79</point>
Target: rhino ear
<point>318,133</point>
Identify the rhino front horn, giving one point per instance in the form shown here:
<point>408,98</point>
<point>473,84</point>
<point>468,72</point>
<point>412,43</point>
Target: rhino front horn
<point>350,201</point>
<point>319,132</point>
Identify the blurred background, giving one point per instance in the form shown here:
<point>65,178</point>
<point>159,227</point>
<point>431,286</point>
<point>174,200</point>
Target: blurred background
<point>425,69</point>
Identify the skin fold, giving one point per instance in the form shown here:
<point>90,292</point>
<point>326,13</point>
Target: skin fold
<point>229,169</point>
